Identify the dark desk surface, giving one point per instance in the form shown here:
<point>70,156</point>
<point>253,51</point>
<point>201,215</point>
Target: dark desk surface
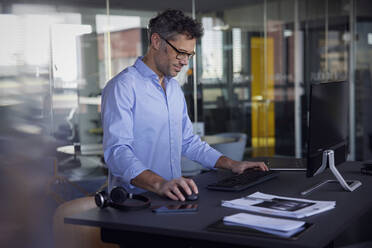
<point>326,226</point>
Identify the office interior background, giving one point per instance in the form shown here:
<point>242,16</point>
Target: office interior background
<point>252,74</point>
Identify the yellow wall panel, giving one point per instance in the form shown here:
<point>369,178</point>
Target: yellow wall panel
<point>262,95</point>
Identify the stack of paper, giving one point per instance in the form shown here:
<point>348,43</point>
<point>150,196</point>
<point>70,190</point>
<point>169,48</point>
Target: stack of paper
<point>280,206</point>
<point>280,227</point>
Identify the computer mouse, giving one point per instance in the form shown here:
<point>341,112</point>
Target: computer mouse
<point>192,197</point>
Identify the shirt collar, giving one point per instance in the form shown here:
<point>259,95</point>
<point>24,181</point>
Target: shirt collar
<point>147,72</point>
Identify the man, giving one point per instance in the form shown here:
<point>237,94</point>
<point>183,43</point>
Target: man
<point>144,116</point>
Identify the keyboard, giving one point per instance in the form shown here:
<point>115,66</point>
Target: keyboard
<point>243,181</point>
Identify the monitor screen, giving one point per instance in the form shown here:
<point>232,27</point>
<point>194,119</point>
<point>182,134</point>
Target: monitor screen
<point>328,123</point>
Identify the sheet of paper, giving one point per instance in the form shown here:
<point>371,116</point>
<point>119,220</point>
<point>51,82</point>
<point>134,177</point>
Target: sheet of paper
<point>278,224</point>
<point>271,231</point>
<point>279,205</point>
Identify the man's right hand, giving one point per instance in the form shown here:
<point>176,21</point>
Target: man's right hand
<point>171,188</point>
<point>151,181</point>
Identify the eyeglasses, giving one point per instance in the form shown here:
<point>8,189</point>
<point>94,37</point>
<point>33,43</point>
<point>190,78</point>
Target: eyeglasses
<point>180,55</point>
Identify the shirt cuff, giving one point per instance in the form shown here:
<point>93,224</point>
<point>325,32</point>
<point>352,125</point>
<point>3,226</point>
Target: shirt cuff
<point>133,172</point>
<point>211,158</point>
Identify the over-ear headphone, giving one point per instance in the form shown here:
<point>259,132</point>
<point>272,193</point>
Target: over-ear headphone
<point>117,198</point>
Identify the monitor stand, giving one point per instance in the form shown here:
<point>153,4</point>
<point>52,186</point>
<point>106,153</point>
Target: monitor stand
<point>349,185</point>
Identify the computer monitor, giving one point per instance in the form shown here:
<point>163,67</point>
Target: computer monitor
<point>328,131</point>
<point>328,123</point>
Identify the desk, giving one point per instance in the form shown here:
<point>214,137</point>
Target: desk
<point>97,149</point>
<point>182,230</point>
<point>87,149</point>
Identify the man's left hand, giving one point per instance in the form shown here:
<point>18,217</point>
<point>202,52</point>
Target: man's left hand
<point>239,167</point>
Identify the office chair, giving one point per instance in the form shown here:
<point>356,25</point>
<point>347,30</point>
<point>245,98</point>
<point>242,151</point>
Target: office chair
<point>71,236</point>
<point>233,150</point>
<point>190,168</point>
<point>72,161</point>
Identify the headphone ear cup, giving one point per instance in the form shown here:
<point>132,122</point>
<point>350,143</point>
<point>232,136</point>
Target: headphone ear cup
<point>118,195</point>
<point>101,199</point>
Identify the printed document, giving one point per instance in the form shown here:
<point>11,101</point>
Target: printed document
<point>279,205</point>
<point>277,226</point>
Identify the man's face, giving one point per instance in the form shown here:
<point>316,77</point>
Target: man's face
<point>169,61</point>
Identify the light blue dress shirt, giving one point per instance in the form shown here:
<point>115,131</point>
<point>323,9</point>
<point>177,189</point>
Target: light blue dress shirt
<point>147,128</point>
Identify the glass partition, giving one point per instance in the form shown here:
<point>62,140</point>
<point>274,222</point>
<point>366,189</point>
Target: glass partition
<point>252,63</point>
<point>257,61</point>
<point>230,72</point>
<point>363,79</point>
<point>281,75</point>
<point>41,71</point>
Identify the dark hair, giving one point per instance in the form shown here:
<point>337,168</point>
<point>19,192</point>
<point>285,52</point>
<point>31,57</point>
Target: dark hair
<point>172,22</point>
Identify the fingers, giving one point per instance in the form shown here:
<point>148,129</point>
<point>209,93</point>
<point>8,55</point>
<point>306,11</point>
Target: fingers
<point>193,186</point>
<point>183,182</point>
<point>262,166</point>
<point>257,166</point>
<point>188,185</point>
<point>172,189</point>
<point>178,193</point>
<point>242,166</point>
<point>170,195</point>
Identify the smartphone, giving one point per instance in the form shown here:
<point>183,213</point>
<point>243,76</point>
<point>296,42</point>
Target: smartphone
<point>176,208</point>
